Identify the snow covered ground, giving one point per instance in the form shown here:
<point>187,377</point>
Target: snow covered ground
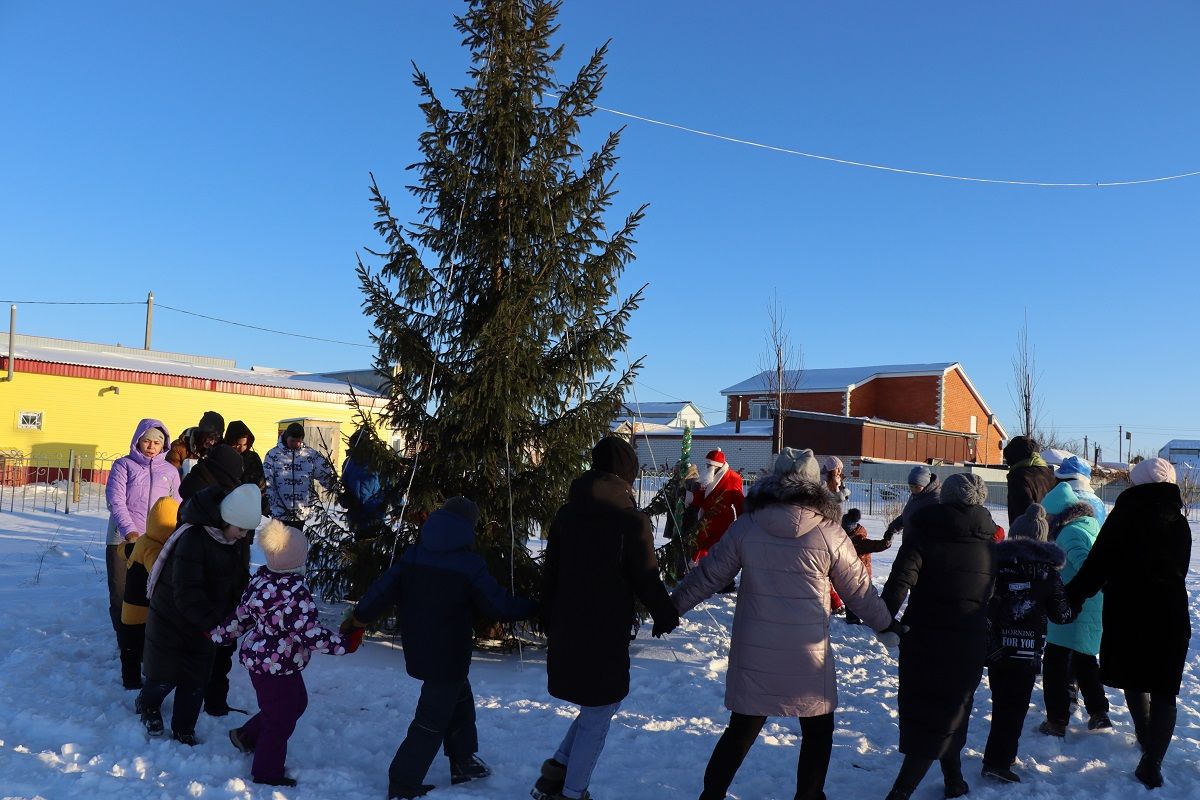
<point>67,729</point>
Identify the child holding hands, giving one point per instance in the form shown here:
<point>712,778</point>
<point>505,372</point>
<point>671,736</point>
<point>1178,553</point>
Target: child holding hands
<point>278,610</point>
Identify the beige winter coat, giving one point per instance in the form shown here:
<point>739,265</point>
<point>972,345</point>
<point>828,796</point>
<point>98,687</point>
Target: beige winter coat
<point>780,660</point>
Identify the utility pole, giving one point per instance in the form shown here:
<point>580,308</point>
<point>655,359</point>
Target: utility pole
<point>149,317</point>
<point>1120,436</point>
<point>1086,449</point>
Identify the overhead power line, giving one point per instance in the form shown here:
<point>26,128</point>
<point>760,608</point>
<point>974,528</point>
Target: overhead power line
<point>260,328</point>
<point>76,302</point>
<point>849,162</point>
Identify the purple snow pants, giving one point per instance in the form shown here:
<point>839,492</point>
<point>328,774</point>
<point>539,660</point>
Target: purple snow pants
<point>281,701</point>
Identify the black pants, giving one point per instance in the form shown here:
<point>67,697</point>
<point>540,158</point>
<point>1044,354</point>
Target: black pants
<point>1012,686</point>
<point>445,717</point>
<point>187,703</point>
<point>216,693</point>
<point>1062,666</point>
<point>816,746</point>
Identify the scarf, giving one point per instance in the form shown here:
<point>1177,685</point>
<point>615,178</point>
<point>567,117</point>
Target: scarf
<point>1034,460</point>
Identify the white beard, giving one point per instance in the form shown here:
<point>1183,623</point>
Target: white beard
<point>710,474</point>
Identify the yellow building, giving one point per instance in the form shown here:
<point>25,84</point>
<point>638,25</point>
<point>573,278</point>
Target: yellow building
<point>86,398</point>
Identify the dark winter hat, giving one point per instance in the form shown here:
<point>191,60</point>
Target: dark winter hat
<point>964,488</point>
<point>614,455</point>
<point>238,430</point>
<point>212,422</point>
<point>1019,449</point>
<point>850,519</point>
<point>225,464</point>
<point>294,431</point>
<point>462,507</point>
<point>919,475</point>
<point>1031,525</point>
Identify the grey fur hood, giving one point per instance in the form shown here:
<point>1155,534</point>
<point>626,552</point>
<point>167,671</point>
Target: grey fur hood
<point>1070,514</point>
<point>1022,550</point>
<point>794,490</point>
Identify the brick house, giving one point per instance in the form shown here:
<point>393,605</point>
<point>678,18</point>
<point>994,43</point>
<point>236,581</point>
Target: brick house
<point>934,405</point>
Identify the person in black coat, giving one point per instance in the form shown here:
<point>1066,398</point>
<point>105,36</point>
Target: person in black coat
<point>924,490</point>
<point>194,585</point>
<point>440,586</point>
<point>1143,551</point>
<point>599,561</point>
<point>1029,476</point>
<point>222,467</point>
<point>1029,590</point>
<point>239,436</point>
<point>946,569</point>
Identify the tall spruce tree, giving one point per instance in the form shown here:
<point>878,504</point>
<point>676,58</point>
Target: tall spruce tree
<point>498,307</point>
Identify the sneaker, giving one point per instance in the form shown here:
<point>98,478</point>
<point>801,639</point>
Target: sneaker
<point>1099,722</point>
<point>185,738</point>
<point>235,736</point>
<point>282,780</point>
<point>409,792</point>
<point>1051,728</point>
<point>151,718</point>
<point>550,783</point>
<point>471,768</point>
<point>1002,774</point>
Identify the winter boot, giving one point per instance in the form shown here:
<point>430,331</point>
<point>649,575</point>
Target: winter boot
<point>471,768</point>
<point>1139,712</point>
<point>1099,722</point>
<point>409,792</point>
<point>1052,728</point>
<point>955,784</point>
<point>235,737</point>
<point>151,718</point>
<point>1002,774</point>
<point>550,783</point>
<point>282,780</point>
<point>185,737</point>
<point>1158,738</point>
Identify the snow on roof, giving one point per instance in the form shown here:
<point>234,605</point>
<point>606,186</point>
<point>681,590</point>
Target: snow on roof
<point>750,427</point>
<point>159,363</point>
<point>836,379</point>
<point>656,409</point>
<point>1181,444</point>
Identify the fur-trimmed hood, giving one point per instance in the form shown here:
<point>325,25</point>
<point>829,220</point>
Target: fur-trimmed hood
<point>794,490</point>
<point>1022,550</point>
<point>1069,514</point>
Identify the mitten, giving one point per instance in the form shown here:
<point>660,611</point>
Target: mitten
<point>348,625</point>
<point>665,625</point>
<point>890,636</point>
<point>353,640</point>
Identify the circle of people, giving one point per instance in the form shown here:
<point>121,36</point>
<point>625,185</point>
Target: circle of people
<point>1065,587</point>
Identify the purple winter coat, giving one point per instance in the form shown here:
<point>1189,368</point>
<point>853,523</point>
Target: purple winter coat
<point>279,611</point>
<point>135,483</point>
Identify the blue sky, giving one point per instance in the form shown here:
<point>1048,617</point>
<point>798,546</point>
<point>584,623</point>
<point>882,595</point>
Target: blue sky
<point>217,153</point>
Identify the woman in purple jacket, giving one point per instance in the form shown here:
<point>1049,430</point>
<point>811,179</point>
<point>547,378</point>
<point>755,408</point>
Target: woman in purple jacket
<point>135,483</point>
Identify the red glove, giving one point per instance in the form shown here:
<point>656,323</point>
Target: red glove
<point>353,640</point>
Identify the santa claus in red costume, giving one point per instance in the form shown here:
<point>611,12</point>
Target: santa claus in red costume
<point>719,499</point>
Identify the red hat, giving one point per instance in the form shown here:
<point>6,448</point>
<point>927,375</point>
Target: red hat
<point>715,457</point>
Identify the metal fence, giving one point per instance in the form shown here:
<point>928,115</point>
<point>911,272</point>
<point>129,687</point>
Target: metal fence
<point>64,482</point>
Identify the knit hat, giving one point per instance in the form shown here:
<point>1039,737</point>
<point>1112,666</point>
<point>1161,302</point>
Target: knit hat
<point>1073,467</point>
<point>829,464</point>
<point>293,431</point>
<point>616,456</point>
<point>154,435</point>
<point>1031,525</point>
<point>212,422</point>
<point>462,507</point>
<point>1153,470</point>
<point>163,519</point>
<point>225,464</point>
<point>919,475</point>
<point>964,488</point>
<point>803,463</point>
<point>243,507</point>
<point>286,548</point>
<point>850,519</point>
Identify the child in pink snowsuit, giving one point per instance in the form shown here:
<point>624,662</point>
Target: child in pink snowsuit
<point>278,611</point>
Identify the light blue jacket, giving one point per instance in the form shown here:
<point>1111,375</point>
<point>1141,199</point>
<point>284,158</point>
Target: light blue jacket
<point>1076,538</point>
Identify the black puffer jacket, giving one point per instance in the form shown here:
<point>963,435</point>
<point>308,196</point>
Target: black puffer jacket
<point>1140,560</point>
<point>1028,590</point>
<point>1027,483</point>
<point>946,569</point>
<point>221,467</point>
<point>200,583</point>
<point>599,559</point>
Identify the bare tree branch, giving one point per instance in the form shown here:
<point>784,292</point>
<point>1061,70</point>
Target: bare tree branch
<point>782,363</point>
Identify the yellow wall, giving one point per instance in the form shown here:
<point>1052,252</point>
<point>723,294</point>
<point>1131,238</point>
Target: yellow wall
<point>76,415</point>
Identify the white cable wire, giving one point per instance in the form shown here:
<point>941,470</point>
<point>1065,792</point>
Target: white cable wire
<point>885,168</point>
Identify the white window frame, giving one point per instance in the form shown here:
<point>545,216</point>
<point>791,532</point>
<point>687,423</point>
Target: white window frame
<point>760,409</point>
<point>974,424</point>
<point>30,420</point>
